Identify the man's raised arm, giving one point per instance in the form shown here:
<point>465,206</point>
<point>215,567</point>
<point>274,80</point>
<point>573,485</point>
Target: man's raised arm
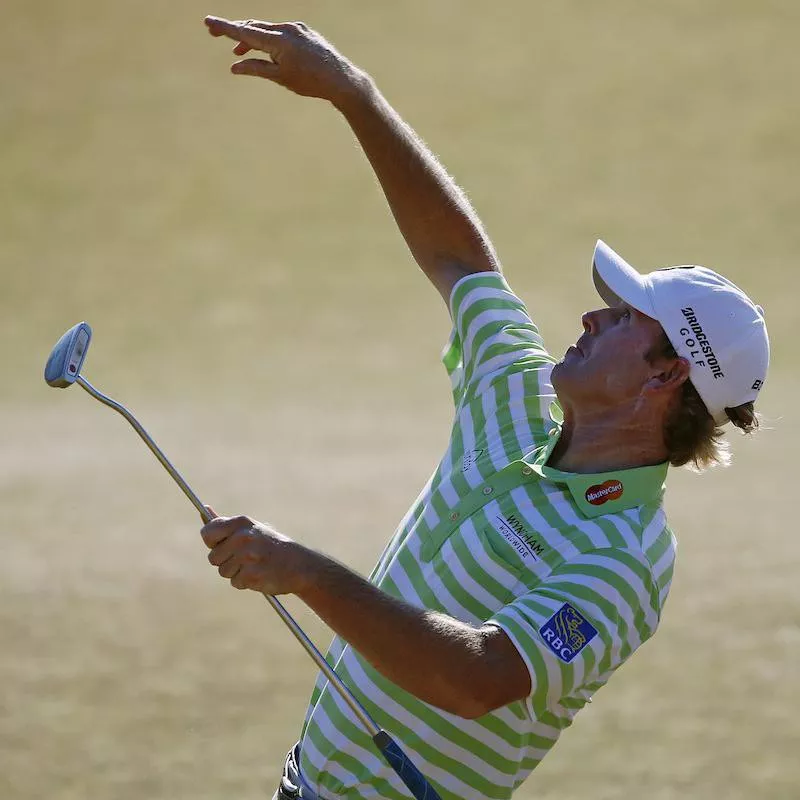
<point>439,225</point>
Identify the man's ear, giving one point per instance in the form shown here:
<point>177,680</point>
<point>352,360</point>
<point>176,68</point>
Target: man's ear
<point>667,376</point>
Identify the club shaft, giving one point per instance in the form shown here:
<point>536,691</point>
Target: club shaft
<point>369,724</point>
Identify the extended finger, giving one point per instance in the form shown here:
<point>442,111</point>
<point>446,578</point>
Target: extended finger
<point>257,67</point>
<point>257,38</point>
<point>241,49</point>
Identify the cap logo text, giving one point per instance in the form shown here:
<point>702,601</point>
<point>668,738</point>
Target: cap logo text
<point>699,344</point>
<point>603,492</point>
<point>757,385</point>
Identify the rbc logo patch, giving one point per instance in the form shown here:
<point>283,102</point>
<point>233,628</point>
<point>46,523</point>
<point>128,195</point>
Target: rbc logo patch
<point>567,632</point>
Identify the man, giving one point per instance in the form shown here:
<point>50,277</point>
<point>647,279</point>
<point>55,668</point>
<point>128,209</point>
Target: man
<point>538,557</point>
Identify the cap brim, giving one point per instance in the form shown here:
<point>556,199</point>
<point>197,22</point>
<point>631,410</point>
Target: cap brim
<point>617,281</point>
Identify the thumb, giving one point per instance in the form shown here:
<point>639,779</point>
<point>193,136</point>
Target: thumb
<point>211,513</point>
<point>257,67</point>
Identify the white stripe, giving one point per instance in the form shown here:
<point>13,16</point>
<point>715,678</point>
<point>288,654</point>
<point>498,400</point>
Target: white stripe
<point>523,339</point>
<point>553,537</point>
<point>448,493</point>
<point>404,585</point>
<point>442,776</point>
<point>433,737</point>
<point>483,293</point>
<point>470,586</point>
<point>429,515</point>
<point>472,475</point>
<point>492,430</point>
<point>446,465</point>
<point>478,550</point>
<point>651,533</point>
<point>445,599</point>
<point>567,511</point>
<point>488,371</point>
<point>491,370</point>
<point>484,319</point>
<point>625,530</point>
<point>610,594</point>
<point>650,615</point>
<point>522,428</point>
<point>325,765</point>
<point>662,595</point>
<point>546,392</point>
<point>665,561</point>
<point>554,689</point>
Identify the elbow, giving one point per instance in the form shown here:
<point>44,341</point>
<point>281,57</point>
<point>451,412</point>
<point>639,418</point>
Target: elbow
<point>458,697</point>
<point>472,706</point>
<point>472,698</point>
<point>464,707</point>
<point>495,680</point>
<point>475,709</point>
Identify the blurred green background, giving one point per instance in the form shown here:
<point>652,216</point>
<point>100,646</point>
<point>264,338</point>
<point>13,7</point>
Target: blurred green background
<point>253,303</point>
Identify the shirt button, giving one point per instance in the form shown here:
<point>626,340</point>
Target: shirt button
<point>454,516</point>
<point>526,470</point>
<point>487,490</point>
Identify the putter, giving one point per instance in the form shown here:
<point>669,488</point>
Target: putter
<point>63,368</point>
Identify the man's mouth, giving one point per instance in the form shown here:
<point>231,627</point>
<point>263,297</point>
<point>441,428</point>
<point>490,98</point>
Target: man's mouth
<point>575,348</point>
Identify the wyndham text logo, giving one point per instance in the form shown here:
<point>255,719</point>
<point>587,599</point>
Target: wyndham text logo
<point>567,632</point>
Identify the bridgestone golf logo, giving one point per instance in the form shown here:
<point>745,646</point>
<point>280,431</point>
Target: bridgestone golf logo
<point>699,344</point>
<point>603,492</point>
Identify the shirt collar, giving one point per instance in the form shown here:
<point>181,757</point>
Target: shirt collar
<point>599,493</point>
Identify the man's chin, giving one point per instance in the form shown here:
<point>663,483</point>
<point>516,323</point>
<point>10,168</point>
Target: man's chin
<point>565,374</point>
<point>557,374</point>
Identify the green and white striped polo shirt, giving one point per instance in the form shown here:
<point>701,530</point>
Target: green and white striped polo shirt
<point>575,568</point>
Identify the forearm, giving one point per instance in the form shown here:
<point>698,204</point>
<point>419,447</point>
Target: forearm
<point>432,656</point>
<point>450,664</point>
<point>437,221</point>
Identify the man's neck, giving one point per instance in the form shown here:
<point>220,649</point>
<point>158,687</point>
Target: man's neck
<point>606,441</point>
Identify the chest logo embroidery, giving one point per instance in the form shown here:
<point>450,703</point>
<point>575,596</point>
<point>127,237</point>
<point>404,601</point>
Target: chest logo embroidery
<point>514,532</point>
<point>567,632</point>
<point>470,458</point>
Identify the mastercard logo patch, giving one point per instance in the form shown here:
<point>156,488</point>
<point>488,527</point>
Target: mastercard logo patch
<point>603,492</point>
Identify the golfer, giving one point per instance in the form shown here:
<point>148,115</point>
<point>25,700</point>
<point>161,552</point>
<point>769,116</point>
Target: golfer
<point>537,558</point>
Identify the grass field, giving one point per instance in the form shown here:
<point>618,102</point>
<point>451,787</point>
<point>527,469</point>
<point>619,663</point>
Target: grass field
<point>255,306</point>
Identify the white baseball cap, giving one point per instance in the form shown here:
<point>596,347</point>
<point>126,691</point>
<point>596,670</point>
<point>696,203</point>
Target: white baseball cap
<point>710,322</point>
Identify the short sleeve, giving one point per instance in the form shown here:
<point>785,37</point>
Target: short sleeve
<point>581,623</point>
<point>492,335</point>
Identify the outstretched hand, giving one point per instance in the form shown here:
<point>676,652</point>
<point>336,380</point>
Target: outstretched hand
<point>298,58</point>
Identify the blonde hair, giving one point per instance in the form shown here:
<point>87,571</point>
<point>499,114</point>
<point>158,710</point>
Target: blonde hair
<point>691,436</point>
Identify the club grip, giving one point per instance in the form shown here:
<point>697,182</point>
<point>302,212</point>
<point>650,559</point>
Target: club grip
<point>403,766</point>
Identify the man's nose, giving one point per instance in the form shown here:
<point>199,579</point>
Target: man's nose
<point>589,320</point>
<point>593,320</point>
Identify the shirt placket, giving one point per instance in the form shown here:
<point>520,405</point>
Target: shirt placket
<point>517,473</point>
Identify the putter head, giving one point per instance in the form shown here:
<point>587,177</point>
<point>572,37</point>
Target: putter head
<point>66,359</point>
